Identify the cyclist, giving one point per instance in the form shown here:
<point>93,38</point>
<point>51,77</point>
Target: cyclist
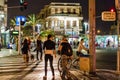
<point>65,51</point>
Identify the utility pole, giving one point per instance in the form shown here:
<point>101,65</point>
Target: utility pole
<point>117,4</point>
<point>92,36</point>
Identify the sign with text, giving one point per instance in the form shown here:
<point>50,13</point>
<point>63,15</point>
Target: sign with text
<point>108,16</point>
<point>19,19</point>
<point>14,32</point>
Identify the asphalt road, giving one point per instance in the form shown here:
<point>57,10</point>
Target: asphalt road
<point>106,58</point>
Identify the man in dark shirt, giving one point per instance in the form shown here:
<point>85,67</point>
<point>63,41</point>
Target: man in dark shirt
<point>49,50</point>
<point>39,48</point>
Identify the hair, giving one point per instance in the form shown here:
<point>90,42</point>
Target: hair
<point>82,39</point>
<point>64,38</point>
<point>49,36</point>
<point>25,41</point>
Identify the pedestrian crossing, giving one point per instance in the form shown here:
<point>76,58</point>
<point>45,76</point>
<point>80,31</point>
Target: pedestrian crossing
<point>11,69</point>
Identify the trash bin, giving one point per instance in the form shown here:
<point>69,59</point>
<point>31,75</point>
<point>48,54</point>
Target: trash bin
<point>84,63</point>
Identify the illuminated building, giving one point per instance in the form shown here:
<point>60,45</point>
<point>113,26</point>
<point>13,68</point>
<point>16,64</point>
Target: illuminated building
<point>63,18</point>
<point>4,34</point>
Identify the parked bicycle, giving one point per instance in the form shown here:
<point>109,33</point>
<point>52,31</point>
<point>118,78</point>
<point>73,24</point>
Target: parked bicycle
<point>75,64</point>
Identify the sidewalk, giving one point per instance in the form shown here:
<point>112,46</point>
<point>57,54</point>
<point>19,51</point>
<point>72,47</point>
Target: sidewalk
<point>7,52</point>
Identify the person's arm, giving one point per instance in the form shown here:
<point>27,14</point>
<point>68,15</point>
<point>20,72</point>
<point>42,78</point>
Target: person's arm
<point>83,47</point>
<point>44,47</point>
<point>54,51</point>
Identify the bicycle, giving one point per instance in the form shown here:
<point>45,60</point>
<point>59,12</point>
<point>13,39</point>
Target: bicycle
<point>64,70</point>
<point>75,63</point>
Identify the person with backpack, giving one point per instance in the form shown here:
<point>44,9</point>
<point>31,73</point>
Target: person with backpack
<point>66,52</point>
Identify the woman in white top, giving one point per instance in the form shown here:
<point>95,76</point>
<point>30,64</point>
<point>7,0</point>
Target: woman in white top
<point>81,48</point>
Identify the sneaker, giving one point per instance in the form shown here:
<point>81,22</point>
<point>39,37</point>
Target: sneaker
<point>44,78</point>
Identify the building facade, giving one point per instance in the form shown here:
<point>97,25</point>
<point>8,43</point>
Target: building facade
<point>63,18</point>
<point>4,35</point>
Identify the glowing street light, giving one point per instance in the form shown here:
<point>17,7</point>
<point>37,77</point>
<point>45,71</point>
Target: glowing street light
<point>86,27</point>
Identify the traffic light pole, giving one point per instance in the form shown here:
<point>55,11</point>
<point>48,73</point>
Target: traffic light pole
<point>117,4</point>
<point>92,36</point>
<point>19,40</point>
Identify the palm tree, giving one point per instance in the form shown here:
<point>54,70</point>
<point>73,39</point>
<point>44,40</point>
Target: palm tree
<point>32,20</point>
<point>13,23</point>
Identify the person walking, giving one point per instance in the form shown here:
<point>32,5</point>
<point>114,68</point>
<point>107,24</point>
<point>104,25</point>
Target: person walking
<point>39,49</point>
<point>49,50</point>
<point>25,49</point>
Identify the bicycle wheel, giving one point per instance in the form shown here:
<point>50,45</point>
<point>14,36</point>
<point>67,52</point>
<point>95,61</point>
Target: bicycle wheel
<point>60,66</point>
<point>75,64</point>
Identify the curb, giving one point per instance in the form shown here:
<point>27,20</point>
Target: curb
<point>107,74</point>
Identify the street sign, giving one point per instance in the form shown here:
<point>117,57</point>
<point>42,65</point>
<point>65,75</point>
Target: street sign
<point>14,32</point>
<point>20,19</point>
<point>108,16</point>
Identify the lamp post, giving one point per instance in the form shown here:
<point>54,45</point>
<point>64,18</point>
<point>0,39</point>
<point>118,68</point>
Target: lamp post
<point>86,27</point>
<point>72,37</point>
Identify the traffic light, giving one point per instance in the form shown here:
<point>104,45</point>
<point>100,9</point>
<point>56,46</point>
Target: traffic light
<point>21,2</point>
<point>112,10</point>
<point>23,5</point>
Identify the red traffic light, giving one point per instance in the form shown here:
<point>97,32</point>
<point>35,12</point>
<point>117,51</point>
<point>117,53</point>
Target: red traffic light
<point>112,10</point>
<point>25,5</point>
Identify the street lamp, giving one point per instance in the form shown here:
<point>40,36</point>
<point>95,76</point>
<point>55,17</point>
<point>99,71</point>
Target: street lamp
<point>72,37</point>
<point>86,27</point>
<point>98,31</point>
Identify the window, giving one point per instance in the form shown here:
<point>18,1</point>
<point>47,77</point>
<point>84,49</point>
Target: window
<point>74,11</point>
<point>68,24</point>
<point>56,10</point>
<point>68,10</point>
<point>74,24</point>
<point>62,10</point>
<point>61,24</point>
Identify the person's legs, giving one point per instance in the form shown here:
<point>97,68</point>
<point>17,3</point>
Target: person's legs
<point>37,55</point>
<point>51,64</point>
<point>24,57</point>
<point>46,60</point>
<point>64,64</point>
<point>41,53</point>
<point>27,58</point>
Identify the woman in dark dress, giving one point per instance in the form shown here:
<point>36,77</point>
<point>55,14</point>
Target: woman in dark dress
<point>25,49</point>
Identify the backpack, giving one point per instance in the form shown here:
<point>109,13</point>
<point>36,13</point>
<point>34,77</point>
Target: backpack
<point>66,49</point>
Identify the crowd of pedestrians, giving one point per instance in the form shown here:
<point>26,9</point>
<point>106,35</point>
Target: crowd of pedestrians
<point>48,47</point>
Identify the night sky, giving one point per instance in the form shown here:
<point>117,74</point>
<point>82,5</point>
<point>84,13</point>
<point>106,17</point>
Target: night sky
<point>34,6</point>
